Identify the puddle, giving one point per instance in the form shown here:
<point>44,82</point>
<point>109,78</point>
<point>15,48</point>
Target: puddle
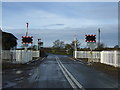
<point>14,69</point>
<point>18,72</point>
<point>30,74</point>
<point>17,79</point>
<point>9,84</point>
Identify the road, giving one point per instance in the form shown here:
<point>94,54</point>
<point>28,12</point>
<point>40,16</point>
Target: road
<point>57,71</point>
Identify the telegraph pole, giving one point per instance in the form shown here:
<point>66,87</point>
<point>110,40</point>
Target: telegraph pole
<point>26,35</point>
<point>75,46</point>
<point>27,29</point>
<point>99,38</point>
<point>75,43</point>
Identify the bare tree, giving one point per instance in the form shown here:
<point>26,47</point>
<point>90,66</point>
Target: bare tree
<point>57,44</point>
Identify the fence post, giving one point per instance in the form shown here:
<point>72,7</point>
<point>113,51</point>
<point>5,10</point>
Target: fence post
<point>75,54</point>
<point>101,57</point>
<point>116,58</point>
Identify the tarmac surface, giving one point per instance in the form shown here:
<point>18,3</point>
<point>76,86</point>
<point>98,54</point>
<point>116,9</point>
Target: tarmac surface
<point>46,73</point>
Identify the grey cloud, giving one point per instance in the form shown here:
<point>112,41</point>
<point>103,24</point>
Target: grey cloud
<point>53,25</point>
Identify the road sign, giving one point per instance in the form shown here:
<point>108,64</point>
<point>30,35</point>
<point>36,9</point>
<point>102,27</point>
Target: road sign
<point>91,45</point>
<point>27,39</point>
<point>40,43</point>
<point>25,45</point>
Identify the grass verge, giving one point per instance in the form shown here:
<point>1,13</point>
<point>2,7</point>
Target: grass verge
<point>109,70</point>
<point>9,65</point>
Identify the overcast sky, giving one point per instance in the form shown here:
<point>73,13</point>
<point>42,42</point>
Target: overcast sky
<point>62,20</point>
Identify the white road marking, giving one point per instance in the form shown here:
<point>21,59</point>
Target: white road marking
<point>43,59</point>
<point>73,82</point>
<point>80,61</point>
<point>38,58</point>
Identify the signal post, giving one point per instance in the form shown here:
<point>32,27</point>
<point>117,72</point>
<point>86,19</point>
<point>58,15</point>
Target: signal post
<point>91,43</point>
<point>26,39</point>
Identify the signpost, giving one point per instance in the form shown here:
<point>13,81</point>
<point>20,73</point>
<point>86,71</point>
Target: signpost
<point>91,43</point>
<point>39,44</point>
<point>39,47</point>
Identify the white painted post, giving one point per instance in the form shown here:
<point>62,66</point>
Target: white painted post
<point>116,58</point>
<point>101,58</point>
<point>75,54</point>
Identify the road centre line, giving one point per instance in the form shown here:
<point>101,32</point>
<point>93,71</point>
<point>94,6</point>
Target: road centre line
<point>69,80</point>
<point>79,85</point>
<point>73,82</point>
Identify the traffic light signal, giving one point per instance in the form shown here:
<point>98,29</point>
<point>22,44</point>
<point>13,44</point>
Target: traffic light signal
<point>27,39</point>
<point>90,38</point>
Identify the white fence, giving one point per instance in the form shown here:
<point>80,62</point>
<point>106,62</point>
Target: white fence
<point>35,53</point>
<point>106,57</point>
<point>87,54</point>
<point>6,54</point>
<point>19,56</point>
<point>111,58</point>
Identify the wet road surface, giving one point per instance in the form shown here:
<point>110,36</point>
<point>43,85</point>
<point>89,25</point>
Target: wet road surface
<point>48,74</point>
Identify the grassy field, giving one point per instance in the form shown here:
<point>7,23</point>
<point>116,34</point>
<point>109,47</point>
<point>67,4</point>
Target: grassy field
<point>61,53</point>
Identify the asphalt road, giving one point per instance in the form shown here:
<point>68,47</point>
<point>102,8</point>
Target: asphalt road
<point>48,74</point>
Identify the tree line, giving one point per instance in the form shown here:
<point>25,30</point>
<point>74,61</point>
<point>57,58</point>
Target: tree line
<point>61,46</point>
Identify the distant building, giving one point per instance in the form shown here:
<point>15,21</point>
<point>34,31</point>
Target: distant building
<point>9,41</point>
